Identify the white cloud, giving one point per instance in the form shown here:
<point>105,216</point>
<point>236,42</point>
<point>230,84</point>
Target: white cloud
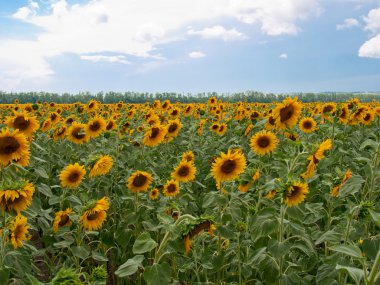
<point>283,56</point>
<point>136,28</point>
<point>348,23</point>
<point>106,58</point>
<point>196,54</point>
<point>371,48</point>
<point>219,32</point>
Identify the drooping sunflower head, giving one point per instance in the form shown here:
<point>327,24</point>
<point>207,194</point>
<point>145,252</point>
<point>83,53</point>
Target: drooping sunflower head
<point>19,231</point>
<point>71,176</point>
<point>62,219</point>
<point>77,133</point>
<point>171,188</point>
<point>14,146</point>
<point>228,166</point>
<point>94,214</point>
<point>322,148</point>
<point>139,181</point>
<point>295,194</point>
<point>308,125</point>
<point>17,197</point>
<point>102,166</point>
<point>286,113</point>
<point>184,172</point>
<point>263,142</point>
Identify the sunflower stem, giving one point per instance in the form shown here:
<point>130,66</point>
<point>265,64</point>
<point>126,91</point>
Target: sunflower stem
<point>375,270</point>
<point>280,237</point>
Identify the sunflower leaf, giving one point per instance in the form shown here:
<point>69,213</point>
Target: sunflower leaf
<point>143,243</point>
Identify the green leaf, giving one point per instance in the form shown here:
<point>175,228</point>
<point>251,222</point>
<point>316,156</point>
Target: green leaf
<point>143,243</point>
<point>375,216</point>
<point>350,250</point>
<point>157,274</point>
<point>80,251</point>
<point>130,266</point>
<point>45,189</point>
<point>99,256</point>
<point>41,172</point>
<point>4,276</point>
<point>351,186</point>
<point>355,273</point>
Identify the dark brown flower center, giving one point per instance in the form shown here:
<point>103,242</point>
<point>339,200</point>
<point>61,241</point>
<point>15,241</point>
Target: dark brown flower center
<point>77,133</point>
<point>20,123</point>
<point>64,220</point>
<point>228,166</point>
<point>74,176</point>
<point>139,180</point>
<point>93,216</point>
<point>215,127</point>
<point>172,128</point>
<point>286,113</point>
<point>8,145</point>
<point>294,191</point>
<point>184,171</point>
<point>307,125</point>
<point>109,126</point>
<point>95,126</point>
<point>263,141</point>
<point>327,109</point>
<point>18,231</point>
<point>154,133</point>
<point>172,188</point>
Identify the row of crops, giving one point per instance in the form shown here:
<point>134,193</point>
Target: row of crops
<point>208,193</point>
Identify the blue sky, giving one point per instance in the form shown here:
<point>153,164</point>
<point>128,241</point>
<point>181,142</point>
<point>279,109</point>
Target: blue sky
<point>190,46</point>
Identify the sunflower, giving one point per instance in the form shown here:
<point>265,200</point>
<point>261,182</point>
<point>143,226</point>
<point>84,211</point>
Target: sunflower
<point>324,146</point>
<point>13,146</point>
<point>368,117</point>
<point>343,114</point>
<point>19,231</point>
<point>96,126</point>
<point>228,166</point>
<point>17,199</point>
<point>188,156</point>
<point>171,188</point>
<point>62,219</point>
<point>94,214</point>
<point>102,166</point>
<point>139,181</point>
<point>24,123</point>
<point>263,142</point>
<point>59,133</point>
<point>222,129</point>
<point>153,194</point>
<point>328,110</point>
<point>335,191</point>
<point>173,128</point>
<point>286,113</point>
<point>71,176</point>
<point>77,133</point>
<point>111,125</point>
<point>296,193</point>
<point>244,186</point>
<point>308,125</point>
<point>46,125</point>
<point>154,136</point>
<point>184,172</point>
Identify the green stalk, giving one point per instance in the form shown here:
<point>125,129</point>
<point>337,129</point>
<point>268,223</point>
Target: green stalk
<point>375,270</point>
<point>239,259</point>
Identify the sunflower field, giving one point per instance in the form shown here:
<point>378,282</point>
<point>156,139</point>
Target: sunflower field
<point>209,193</point>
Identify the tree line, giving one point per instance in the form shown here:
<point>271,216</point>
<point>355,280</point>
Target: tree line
<point>142,97</point>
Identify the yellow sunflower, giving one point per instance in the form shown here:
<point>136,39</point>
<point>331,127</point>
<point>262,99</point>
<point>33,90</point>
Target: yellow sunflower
<point>96,126</point>
<point>154,136</point>
<point>102,166</point>
<point>328,110</point>
<point>308,125</point>
<point>153,194</point>
<point>71,176</point>
<point>286,113</point>
<point>171,188</point>
<point>296,193</point>
<point>222,129</point>
<point>335,191</point>
<point>62,219</point>
<point>323,147</point>
<point>188,156</point>
<point>229,165</point>
<point>14,146</point>
<point>139,181</point>
<point>19,231</point>
<point>173,128</point>
<point>77,133</point>
<point>263,142</point>
<point>27,125</point>
<point>17,199</point>
<point>184,172</point>
<point>94,215</point>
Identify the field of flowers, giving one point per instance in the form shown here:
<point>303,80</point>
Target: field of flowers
<point>168,193</point>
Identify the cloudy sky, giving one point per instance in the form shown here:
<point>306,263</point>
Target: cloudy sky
<point>190,45</point>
